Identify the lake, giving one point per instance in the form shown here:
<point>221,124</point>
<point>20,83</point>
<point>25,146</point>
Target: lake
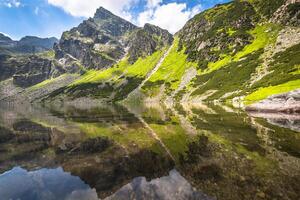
<point>150,151</point>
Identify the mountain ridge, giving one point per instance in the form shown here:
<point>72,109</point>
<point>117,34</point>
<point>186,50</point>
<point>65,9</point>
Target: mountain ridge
<point>26,45</point>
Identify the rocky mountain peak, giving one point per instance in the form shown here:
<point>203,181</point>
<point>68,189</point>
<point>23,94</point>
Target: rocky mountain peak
<point>102,13</point>
<point>109,23</point>
<point>97,42</point>
<point>4,37</point>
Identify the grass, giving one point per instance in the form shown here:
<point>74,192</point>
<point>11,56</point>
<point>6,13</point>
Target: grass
<point>217,65</point>
<point>139,69</point>
<point>49,81</point>
<point>115,82</point>
<point>261,163</point>
<point>170,132</point>
<point>174,138</point>
<point>173,67</point>
<point>234,132</point>
<point>230,31</point>
<point>227,79</point>
<point>97,76</point>
<point>263,35</point>
<point>283,68</point>
<point>266,92</point>
<point>47,54</point>
<point>232,72</point>
<point>124,136</point>
<point>296,71</point>
<point>143,65</point>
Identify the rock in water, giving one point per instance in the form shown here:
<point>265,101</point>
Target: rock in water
<point>169,187</point>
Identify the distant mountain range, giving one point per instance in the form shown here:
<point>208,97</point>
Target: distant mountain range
<point>26,45</point>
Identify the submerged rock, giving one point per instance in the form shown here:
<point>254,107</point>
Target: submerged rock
<point>169,187</point>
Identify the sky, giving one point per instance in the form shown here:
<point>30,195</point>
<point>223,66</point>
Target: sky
<point>48,18</point>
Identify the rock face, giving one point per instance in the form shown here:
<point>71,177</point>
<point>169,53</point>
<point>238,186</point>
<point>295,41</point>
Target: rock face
<point>34,71</point>
<point>218,31</point>
<point>27,71</point>
<point>5,44</point>
<point>225,28</point>
<point>286,103</point>
<point>97,42</point>
<point>7,69</point>
<point>148,40</point>
<point>101,41</point>
<point>5,40</point>
<point>288,14</point>
<point>27,45</point>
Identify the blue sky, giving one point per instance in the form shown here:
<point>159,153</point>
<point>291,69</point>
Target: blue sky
<point>46,18</point>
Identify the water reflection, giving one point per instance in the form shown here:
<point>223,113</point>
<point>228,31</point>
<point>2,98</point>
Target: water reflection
<point>170,187</point>
<point>55,184</point>
<point>43,184</point>
<point>289,121</point>
<point>222,151</point>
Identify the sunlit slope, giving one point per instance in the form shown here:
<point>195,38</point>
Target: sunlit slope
<point>234,51</point>
<point>111,84</point>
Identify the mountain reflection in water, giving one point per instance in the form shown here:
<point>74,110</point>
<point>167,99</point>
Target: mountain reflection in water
<point>43,184</point>
<point>147,152</point>
<point>55,184</point>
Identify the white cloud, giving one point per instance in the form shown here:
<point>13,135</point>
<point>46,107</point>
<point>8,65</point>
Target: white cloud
<point>153,3</point>
<point>170,16</point>
<point>12,3</point>
<point>37,10</point>
<point>87,8</point>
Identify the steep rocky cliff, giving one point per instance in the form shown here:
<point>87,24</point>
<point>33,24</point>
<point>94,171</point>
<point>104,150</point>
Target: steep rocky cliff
<point>147,40</point>
<point>97,42</point>
<point>103,40</point>
<point>27,71</point>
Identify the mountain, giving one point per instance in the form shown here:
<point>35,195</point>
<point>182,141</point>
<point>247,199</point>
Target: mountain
<point>4,39</point>
<point>26,45</point>
<point>32,44</point>
<point>103,40</point>
<point>242,52</point>
<point>5,43</point>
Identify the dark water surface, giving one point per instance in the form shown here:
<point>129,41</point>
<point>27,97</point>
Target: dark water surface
<point>147,152</point>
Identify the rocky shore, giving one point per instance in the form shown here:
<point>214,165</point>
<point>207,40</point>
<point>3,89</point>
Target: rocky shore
<point>282,103</point>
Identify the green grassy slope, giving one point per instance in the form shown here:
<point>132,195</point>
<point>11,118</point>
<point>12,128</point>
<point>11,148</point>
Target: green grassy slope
<point>234,50</point>
<point>230,58</point>
<point>113,83</point>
